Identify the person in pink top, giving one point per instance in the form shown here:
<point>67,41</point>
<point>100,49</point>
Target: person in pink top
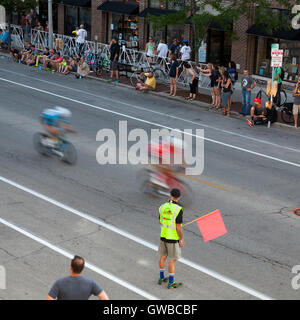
<point>55,63</point>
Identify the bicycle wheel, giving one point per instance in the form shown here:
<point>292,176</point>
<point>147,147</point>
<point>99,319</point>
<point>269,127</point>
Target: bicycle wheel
<point>134,79</point>
<point>283,98</point>
<point>287,116</point>
<point>159,76</point>
<point>259,94</point>
<point>70,154</point>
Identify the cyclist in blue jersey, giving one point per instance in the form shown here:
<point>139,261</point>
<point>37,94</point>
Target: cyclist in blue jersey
<point>57,122</point>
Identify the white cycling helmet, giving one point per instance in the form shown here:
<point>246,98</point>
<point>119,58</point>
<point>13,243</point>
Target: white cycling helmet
<point>63,112</point>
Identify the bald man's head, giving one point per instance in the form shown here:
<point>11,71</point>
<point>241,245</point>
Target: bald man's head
<point>77,264</point>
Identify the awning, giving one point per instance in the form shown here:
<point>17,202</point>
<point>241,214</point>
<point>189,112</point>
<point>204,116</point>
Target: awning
<point>120,7</point>
<point>77,3</point>
<point>155,12</point>
<point>280,34</point>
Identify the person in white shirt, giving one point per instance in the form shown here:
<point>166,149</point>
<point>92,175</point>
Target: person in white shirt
<point>81,36</point>
<point>185,51</point>
<point>162,49</point>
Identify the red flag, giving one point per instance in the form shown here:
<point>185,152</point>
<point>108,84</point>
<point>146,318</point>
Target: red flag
<point>211,226</point>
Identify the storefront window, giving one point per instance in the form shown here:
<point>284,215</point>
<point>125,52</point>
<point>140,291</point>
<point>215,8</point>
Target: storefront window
<point>167,4</point>
<point>158,4</point>
<point>174,32</point>
<point>291,57</point>
<point>71,19</point>
<point>85,19</point>
<point>175,5</point>
<point>219,47</point>
<point>125,28</point>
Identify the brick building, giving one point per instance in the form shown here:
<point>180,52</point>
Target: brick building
<point>127,20</point>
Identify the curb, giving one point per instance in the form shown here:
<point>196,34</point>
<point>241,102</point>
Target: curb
<point>202,105</point>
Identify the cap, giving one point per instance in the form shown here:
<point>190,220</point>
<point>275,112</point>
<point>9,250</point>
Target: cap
<point>257,100</point>
<point>185,40</point>
<point>175,193</point>
<point>115,37</point>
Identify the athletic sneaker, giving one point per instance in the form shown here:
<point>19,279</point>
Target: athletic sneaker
<point>174,285</point>
<point>250,122</point>
<point>162,280</point>
<point>117,81</point>
<point>109,80</point>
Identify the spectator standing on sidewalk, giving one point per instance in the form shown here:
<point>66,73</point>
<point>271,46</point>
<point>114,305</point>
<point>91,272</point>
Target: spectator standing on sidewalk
<point>76,286</point>
<point>162,51</point>
<point>248,84</point>
<point>277,76</point>
<point>185,51</point>
<point>226,93</point>
<point>173,74</point>
<point>209,72</point>
<point>114,49</point>
<point>174,49</point>
<point>81,37</point>
<point>296,107</point>
<point>150,50</point>
<point>190,72</point>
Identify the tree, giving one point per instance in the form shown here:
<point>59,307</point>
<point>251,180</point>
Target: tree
<point>16,6</point>
<point>201,13</point>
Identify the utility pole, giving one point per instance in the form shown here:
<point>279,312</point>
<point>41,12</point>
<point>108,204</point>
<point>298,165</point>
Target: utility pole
<point>50,22</point>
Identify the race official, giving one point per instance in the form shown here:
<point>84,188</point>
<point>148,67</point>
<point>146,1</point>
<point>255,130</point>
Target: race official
<point>171,237</point>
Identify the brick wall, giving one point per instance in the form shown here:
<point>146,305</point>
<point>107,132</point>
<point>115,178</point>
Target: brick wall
<point>61,19</point>
<point>143,26</point>
<point>239,49</point>
<point>98,22</point>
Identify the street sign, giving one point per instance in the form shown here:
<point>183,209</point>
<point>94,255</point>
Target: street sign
<point>275,46</point>
<point>277,57</point>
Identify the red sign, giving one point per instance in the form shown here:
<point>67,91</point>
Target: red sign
<point>277,57</point>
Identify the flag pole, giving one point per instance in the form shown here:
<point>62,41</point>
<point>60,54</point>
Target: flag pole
<point>188,223</point>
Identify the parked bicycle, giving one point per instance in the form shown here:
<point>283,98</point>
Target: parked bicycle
<point>262,94</point>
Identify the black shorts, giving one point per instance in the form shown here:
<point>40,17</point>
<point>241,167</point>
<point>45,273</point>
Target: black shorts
<point>114,65</point>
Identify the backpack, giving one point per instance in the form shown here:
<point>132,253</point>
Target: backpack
<point>282,73</point>
<point>236,77</point>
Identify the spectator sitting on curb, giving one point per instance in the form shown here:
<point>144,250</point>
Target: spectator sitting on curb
<point>76,286</point>
<point>15,54</point>
<point>258,114</point>
<point>25,52</point>
<point>44,55</point>
<point>55,62</point>
<point>47,60</point>
<point>71,67</point>
<point>149,84</point>
<point>63,65</point>
<point>83,69</point>
<point>32,56</point>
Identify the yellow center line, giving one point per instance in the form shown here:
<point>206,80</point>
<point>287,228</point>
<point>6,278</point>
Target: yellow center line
<point>200,181</point>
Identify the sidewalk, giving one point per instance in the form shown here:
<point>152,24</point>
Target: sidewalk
<point>203,98</point>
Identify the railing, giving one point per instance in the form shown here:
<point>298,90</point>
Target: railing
<point>17,35</point>
<point>67,46</point>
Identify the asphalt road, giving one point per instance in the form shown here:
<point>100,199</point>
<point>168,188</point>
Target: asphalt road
<point>50,210</point>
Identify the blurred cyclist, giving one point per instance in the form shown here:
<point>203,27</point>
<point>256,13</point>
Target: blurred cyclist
<point>56,122</point>
<point>173,148</point>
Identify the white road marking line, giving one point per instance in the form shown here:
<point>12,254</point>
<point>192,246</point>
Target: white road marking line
<point>87,264</point>
<point>138,240</point>
<point>160,113</point>
<point>155,124</point>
